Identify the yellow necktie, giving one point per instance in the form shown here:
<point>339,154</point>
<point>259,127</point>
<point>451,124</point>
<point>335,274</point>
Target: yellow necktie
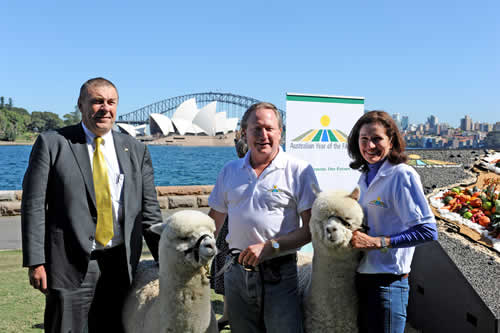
<point>104,230</point>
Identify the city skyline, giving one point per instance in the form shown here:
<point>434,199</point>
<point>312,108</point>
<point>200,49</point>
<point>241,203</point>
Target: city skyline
<point>432,120</point>
<point>415,59</point>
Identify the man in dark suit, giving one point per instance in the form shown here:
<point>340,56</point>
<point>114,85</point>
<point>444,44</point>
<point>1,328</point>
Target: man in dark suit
<point>66,211</point>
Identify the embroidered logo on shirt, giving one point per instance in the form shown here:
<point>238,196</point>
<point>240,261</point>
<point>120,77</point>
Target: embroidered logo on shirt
<point>275,189</point>
<point>378,202</point>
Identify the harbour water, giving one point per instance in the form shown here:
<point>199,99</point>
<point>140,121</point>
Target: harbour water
<point>172,165</point>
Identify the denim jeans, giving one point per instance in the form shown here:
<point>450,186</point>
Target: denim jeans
<point>383,299</point>
<point>279,311</point>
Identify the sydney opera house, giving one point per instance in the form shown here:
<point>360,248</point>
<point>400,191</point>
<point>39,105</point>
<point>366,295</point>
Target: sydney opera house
<point>131,129</point>
<point>188,126</point>
<point>188,120</point>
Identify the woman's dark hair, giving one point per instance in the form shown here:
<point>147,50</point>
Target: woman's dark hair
<point>396,155</point>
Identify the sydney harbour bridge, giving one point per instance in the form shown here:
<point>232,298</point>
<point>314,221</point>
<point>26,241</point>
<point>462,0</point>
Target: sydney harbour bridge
<point>233,105</point>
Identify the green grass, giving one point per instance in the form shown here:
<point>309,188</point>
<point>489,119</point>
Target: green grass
<point>21,306</point>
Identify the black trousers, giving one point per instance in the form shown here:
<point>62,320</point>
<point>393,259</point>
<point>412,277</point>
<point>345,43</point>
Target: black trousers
<point>97,305</point>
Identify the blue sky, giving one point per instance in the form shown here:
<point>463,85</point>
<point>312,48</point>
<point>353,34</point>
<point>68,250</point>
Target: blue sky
<point>414,58</point>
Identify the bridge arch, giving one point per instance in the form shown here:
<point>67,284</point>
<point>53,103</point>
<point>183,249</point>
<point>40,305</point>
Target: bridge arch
<point>233,105</point>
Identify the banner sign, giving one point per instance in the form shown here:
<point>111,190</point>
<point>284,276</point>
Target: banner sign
<point>317,128</point>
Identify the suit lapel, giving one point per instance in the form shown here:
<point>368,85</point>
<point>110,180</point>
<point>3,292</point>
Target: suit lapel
<point>123,154</point>
<point>78,144</point>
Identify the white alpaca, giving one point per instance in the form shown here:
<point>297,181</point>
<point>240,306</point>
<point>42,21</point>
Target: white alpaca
<point>175,298</point>
<point>329,294</point>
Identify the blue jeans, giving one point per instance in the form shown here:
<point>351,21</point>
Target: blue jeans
<point>383,299</point>
<point>279,311</point>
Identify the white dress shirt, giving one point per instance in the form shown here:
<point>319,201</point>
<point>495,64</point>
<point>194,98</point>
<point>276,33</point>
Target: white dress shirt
<point>115,178</point>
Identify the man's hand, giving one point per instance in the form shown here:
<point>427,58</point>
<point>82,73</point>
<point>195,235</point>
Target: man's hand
<point>361,240</point>
<point>38,277</point>
<point>255,254</point>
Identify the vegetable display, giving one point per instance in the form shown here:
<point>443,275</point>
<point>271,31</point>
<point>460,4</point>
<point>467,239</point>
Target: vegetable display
<point>479,205</point>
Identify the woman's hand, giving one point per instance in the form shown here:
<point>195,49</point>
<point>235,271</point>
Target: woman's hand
<point>361,240</point>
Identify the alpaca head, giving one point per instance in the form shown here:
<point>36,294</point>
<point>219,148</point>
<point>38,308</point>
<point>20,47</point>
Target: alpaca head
<point>187,238</point>
<point>335,215</point>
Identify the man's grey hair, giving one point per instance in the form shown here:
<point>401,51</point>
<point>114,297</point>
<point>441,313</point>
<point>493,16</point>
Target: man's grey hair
<point>257,106</point>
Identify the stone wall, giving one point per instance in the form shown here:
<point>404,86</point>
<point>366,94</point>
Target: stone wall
<point>169,197</point>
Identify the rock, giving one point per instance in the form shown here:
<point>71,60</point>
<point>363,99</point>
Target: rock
<point>187,201</point>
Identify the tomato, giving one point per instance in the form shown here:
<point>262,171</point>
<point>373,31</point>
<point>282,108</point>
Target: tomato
<point>476,202</point>
<point>484,221</point>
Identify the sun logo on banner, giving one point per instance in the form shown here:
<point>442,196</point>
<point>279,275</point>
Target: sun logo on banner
<point>322,135</point>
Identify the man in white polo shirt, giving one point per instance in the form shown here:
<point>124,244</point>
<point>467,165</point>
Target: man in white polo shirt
<point>264,195</point>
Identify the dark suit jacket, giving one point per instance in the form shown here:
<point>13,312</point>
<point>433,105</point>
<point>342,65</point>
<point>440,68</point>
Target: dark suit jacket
<point>59,210</point>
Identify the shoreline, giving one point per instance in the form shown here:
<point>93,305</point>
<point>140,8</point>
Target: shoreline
<point>17,143</point>
<point>226,140</point>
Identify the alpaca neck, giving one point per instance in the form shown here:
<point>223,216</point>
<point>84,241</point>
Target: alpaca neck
<point>185,301</point>
<point>330,299</point>
<point>336,269</point>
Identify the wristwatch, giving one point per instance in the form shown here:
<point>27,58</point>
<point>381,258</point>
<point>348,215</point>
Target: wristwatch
<point>384,248</point>
<point>275,245</point>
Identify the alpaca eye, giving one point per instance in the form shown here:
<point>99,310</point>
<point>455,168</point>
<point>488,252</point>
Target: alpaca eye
<point>184,238</point>
<point>346,222</point>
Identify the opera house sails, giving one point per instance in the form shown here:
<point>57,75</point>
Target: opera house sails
<point>188,120</point>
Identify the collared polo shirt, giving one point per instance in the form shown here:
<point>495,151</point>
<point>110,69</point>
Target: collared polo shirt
<point>264,207</point>
<point>393,202</point>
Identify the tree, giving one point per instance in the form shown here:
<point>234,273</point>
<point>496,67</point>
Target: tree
<point>10,104</point>
<point>72,118</point>
<point>10,133</point>
<point>2,102</point>
<point>12,122</point>
<point>53,120</point>
<point>21,111</point>
<point>44,121</point>
<point>37,124</point>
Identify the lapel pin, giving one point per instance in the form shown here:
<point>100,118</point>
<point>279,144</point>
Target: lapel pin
<point>126,149</point>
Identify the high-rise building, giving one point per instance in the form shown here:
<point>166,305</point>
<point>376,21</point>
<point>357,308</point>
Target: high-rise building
<point>433,121</point>
<point>485,127</point>
<point>466,123</point>
<point>405,123</point>
<point>397,119</point>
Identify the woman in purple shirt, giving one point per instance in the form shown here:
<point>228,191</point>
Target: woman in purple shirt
<point>398,217</point>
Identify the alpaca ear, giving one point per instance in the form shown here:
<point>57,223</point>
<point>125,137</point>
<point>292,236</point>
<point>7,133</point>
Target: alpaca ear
<point>157,228</point>
<point>315,188</point>
<point>355,193</point>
